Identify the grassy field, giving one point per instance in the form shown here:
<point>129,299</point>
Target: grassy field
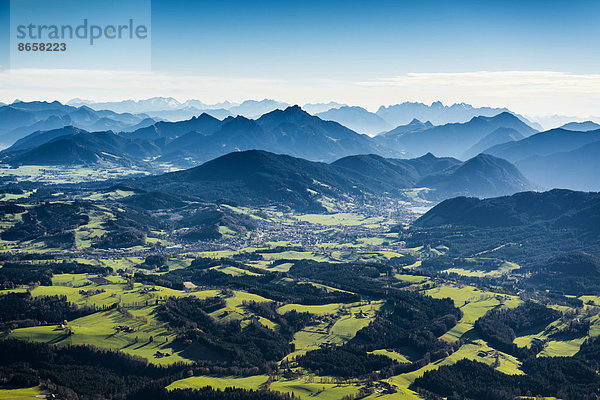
<point>391,354</point>
<point>506,363</point>
<point>235,309</point>
<point>561,348</point>
<point>332,308</point>
<point>402,394</point>
<point>285,267</point>
<point>474,303</point>
<point>595,328</point>
<point>235,271</point>
<point>292,255</point>
<point>195,382</point>
<point>303,388</point>
<point>504,269</point>
<point>98,329</point>
<point>113,293</point>
<point>33,393</point>
<point>316,387</point>
<point>337,329</point>
<point>411,278</point>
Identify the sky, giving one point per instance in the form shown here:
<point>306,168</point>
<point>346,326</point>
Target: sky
<point>534,57</point>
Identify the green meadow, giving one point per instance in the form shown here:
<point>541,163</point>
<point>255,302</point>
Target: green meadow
<point>33,393</point>
<point>314,387</point>
<point>473,302</point>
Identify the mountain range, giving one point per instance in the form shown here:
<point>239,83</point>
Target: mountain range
<point>413,126</point>
<point>581,126</point>
<point>557,158</point>
<point>481,176</point>
<point>168,106</point>
<point>499,136</point>
<point>439,114</point>
<point>143,106</point>
<point>260,178</point>
<point>454,139</point>
<point>294,132</point>
<point>79,147</point>
<point>186,143</point>
<point>355,118</point>
<point>20,119</point>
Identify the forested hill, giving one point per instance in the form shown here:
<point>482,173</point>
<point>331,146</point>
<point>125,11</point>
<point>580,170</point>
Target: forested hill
<point>560,208</point>
<point>258,177</point>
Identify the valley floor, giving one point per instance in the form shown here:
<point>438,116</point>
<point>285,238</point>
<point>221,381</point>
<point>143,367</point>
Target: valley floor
<point>126,318</point>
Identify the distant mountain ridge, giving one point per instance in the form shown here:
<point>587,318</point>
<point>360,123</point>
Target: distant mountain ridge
<point>544,232</point>
<point>295,132</point>
<point>20,119</point>
<point>186,143</point>
<point>79,147</point>
<point>452,140</point>
<point>543,144</point>
<point>581,126</point>
<point>575,169</point>
<point>389,175</point>
<point>357,119</point>
<point>166,105</point>
<point>412,126</point>
<point>557,158</point>
<point>439,114</point>
<point>499,136</point>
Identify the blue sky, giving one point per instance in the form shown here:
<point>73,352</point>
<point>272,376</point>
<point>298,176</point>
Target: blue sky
<point>366,38</point>
<point>4,32</point>
<point>534,56</point>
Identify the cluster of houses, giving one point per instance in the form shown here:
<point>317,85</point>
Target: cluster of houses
<point>328,345</point>
<point>124,328</point>
<point>65,328</point>
<point>148,290</point>
<point>342,311</point>
<point>91,292</point>
<point>322,319</point>
<point>62,327</point>
<point>384,387</point>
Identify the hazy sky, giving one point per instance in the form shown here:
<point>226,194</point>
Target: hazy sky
<point>535,57</point>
